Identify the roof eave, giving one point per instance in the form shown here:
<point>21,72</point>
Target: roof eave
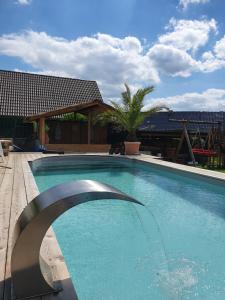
<point>83,108</point>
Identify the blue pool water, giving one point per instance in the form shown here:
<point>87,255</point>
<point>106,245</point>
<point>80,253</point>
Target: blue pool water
<point>172,248</point>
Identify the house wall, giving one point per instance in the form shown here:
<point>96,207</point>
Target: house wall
<point>8,127</point>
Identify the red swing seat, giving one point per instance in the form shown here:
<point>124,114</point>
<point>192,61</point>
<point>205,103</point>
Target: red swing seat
<point>204,152</point>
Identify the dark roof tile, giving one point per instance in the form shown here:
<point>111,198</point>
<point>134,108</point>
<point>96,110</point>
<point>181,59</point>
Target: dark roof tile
<point>160,122</point>
<point>25,94</point>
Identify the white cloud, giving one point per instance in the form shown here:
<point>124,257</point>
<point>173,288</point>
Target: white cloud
<point>172,61</point>
<point>215,59</point>
<point>188,34</point>
<point>109,60</point>
<point>210,62</point>
<point>219,48</point>
<point>185,3</point>
<point>171,54</point>
<point>24,2</point>
<point>209,100</point>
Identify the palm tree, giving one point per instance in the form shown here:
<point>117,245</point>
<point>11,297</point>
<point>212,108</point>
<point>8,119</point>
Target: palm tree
<point>129,115</point>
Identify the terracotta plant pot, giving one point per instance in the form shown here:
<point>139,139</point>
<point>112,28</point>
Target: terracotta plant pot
<point>132,148</point>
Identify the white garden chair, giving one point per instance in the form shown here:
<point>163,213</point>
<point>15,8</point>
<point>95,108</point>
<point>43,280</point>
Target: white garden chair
<point>2,153</point>
<point>3,158</point>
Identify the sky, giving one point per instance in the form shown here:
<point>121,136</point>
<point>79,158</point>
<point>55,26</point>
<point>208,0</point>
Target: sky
<point>178,46</point>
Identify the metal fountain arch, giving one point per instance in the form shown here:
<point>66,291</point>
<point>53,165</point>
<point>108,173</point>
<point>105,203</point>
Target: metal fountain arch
<point>32,225</point>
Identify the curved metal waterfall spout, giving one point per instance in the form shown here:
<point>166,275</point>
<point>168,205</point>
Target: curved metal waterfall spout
<point>36,218</point>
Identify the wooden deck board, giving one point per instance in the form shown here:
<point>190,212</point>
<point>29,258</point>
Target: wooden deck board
<point>2,169</point>
<point>5,212</point>
<point>17,188</point>
<point>19,201</point>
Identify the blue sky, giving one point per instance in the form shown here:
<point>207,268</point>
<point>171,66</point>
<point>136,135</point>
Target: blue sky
<point>176,45</point>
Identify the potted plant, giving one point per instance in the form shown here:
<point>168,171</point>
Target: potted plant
<point>129,115</point>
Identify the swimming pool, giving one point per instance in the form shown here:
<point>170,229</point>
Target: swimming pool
<point>172,248</point>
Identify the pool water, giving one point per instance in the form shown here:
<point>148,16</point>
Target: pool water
<point>171,248</point>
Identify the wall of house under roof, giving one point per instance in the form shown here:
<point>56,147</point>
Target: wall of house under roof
<point>8,127</point>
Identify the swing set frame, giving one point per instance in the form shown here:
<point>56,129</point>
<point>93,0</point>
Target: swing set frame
<point>210,152</point>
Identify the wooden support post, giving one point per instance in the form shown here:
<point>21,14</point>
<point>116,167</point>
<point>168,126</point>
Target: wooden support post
<point>179,147</point>
<point>42,131</point>
<point>89,128</point>
<point>189,144</point>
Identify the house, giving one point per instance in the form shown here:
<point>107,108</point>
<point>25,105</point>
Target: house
<point>26,97</point>
<point>161,133</point>
<point>161,122</point>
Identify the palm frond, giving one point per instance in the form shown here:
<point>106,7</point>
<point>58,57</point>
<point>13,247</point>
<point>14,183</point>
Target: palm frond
<point>128,115</point>
<point>141,93</point>
<point>126,96</point>
<point>155,109</point>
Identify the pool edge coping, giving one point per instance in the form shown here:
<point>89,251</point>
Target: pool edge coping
<point>153,160</point>
<point>146,159</point>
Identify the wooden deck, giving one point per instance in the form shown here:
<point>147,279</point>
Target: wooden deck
<point>17,188</point>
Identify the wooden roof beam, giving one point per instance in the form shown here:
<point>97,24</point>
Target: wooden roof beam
<point>84,108</point>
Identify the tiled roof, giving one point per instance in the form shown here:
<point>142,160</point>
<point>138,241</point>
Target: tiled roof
<point>25,94</point>
<point>160,122</point>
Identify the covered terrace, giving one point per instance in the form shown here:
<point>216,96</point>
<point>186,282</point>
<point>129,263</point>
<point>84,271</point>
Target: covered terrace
<point>86,109</point>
